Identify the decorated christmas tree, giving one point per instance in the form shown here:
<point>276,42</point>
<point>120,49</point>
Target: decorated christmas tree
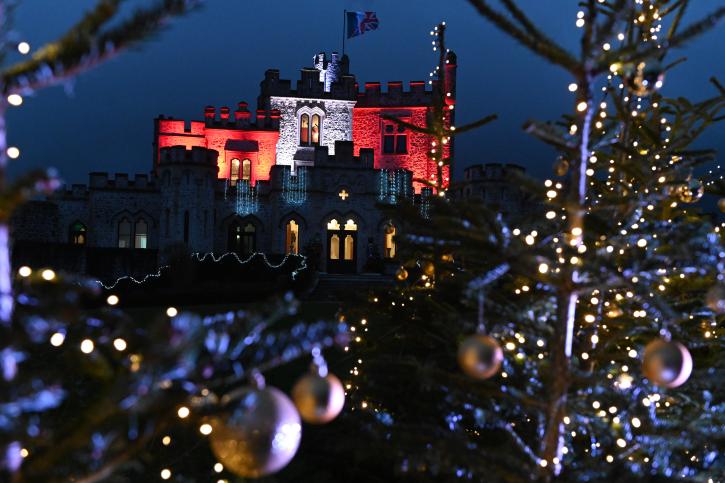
<point>92,391</point>
<point>581,342</point>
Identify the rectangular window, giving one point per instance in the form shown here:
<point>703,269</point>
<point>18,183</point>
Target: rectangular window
<point>395,138</point>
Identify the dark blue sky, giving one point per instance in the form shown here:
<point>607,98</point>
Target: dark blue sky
<point>103,122</point>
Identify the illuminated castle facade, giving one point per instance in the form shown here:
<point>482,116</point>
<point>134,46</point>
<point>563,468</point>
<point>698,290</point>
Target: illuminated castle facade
<point>305,173</point>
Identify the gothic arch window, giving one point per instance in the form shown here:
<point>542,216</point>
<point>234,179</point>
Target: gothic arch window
<point>334,247</point>
<point>292,238</point>
<point>349,247</point>
<point>249,239</point>
<point>142,234</point>
<point>315,129</point>
<point>124,233</point>
<point>310,124</point>
<point>304,129</point>
<point>246,170</point>
<point>78,233</point>
<point>234,172</point>
<point>389,245</point>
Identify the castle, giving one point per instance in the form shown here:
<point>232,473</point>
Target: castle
<point>311,166</point>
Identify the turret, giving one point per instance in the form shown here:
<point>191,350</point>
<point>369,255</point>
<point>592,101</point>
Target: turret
<point>186,181</point>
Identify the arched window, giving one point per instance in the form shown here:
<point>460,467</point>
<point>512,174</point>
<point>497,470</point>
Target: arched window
<point>235,237</point>
<point>234,172</point>
<point>78,233</point>
<point>315,129</point>
<point>249,239</point>
<point>349,247</point>
<point>389,241</point>
<point>124,234</point>
<point>292,240</point>
<point>350,225</point>
<point>334,247</point>
<point>142,233</point>
<point>305,129</point>
<point>246,170</point>
<point>333,225</point>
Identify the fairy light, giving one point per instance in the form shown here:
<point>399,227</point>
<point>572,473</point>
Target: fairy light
<point>119,344</point>
<point>183,412</point>
<point>24,271</point>
<point>87,346</point>
<point>218,467</point>
<point>15,99</point>
<point>171,312</point>
<point>205,429</point>
<point>165,474</point>
<point>112,300</point>
<point>13,152</point>
<point>57,339</point>
<point>24,48</point>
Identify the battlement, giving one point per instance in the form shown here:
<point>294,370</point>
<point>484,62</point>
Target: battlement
<point>417,94</point>
<point>344,156</point>
<point>194,156</point>
<point>222,118</point>
<point>102,180</point>
<point>491,171</point>
<point>330,82</point>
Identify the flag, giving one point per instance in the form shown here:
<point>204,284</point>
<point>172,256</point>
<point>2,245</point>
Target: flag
<point>360,22</point>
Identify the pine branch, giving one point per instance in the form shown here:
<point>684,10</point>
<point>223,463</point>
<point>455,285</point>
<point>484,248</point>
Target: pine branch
<point>85,46</point>
<point>540,46</point>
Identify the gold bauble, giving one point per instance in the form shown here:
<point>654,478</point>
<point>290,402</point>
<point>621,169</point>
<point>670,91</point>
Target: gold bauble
<point>643,78</point>
<point>401,274</point>
<point>691,191</point>
<point>258,435</point>
<point>480,356</point>
<point>318,399</point>
<point>428,268</point>
<point>666,363</point>
<point>561,167</point>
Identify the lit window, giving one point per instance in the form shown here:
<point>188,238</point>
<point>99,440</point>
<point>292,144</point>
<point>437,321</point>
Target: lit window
<point>124,234</point>
<point>246,170</point>
<point>78,233</point>
<point>292,243</point>
<point>333,225</point>
<point>349,247</point>
<point>315,130</point>
<point>305,129</point>
<point>234,173</point>
<point>389,241</point>
<point>141,237</point>
<point>334,247</point>
<point>350,225</point>
<point>395,138</point>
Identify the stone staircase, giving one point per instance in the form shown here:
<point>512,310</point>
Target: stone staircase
<point>335,287</point>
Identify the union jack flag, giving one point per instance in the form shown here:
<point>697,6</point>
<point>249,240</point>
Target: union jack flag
<point>360,22</point>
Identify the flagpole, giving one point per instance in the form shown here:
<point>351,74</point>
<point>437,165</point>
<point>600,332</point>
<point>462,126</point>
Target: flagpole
<point>344,24</point>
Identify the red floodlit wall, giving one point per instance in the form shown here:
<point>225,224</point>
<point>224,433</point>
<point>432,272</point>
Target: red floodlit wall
<point>171,133</point>
<point>367,132</point>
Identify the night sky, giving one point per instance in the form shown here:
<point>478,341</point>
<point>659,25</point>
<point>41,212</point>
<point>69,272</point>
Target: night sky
<point>218,55</point>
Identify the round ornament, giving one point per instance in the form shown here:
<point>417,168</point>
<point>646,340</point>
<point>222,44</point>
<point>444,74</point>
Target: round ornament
<point>715,298</point>
<point>259,434</point>
<point>480,356</point>
<point>666,363</point>
<point>691,191</point>
<point>318,399</point>
<point>561,167</point>
<point>721,204</point>
<point>429,268</point>
<point>401,274</point>
<point>643,78</point>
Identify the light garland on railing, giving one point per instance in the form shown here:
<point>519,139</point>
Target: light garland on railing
<point>201,258</point>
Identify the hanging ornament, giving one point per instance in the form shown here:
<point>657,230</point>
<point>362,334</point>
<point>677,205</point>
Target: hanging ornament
<point>666,363</point>
<point>319,396</point>
<point>401,274</point>
<point>259,434</point>
<point>480,356</point>
<point>715,298</point>
<point>447,257</point>
<point>428,267</point>
<point>643,78</point>
<point>721,204</point>
<point>561,167</point>
<point>691,191</point>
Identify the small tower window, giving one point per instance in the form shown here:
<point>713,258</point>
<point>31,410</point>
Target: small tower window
<point>249,242</point>
<point>315,129</point>
<point>234,172</point>
<point>142,231</point>
<point>292,244</point>
<point>305,129</point>
<point>124,234</point>
<point>78,233</point>
<point>246,170</point>
<point>395,138</point>
<point>389,241</point>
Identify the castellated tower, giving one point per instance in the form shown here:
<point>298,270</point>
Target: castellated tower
<point>187,178</point>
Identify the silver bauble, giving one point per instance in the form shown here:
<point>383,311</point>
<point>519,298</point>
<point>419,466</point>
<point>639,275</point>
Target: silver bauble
<point>643,78</point>
<point>318,399</point>
<point>480,356</point>
<point>259,434</point>
<point>715,299</point>
<point>666,363</point>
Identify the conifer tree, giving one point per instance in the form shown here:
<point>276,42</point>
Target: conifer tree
<point>581,342</point>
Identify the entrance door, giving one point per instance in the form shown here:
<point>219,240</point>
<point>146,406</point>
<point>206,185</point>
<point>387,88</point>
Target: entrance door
<point>341,247</point>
